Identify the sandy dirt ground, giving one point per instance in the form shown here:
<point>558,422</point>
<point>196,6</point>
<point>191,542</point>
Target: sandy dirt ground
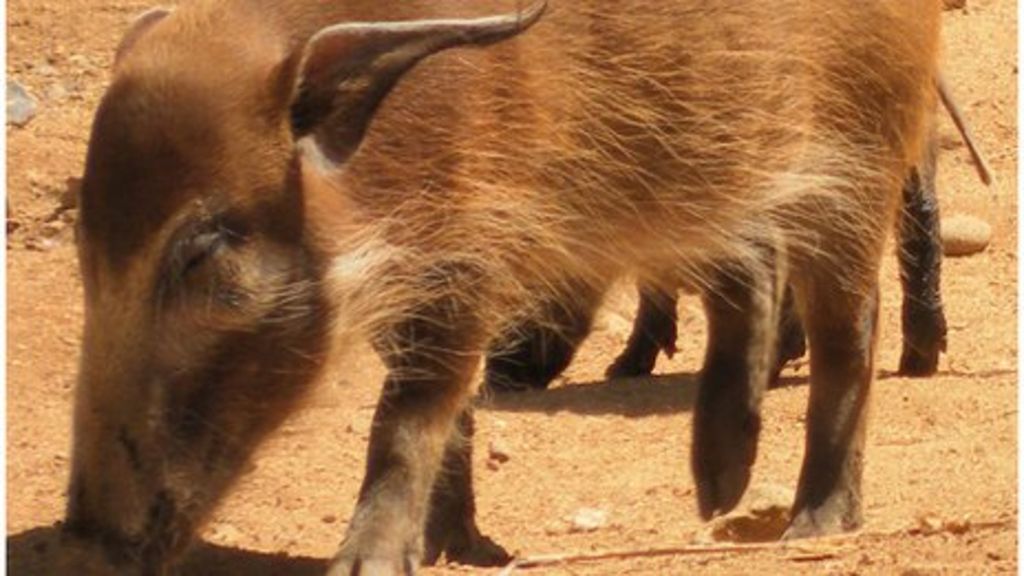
<point>941,478</point>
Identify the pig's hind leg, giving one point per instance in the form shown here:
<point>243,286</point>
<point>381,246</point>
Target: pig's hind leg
<point>920,256</point>
<point>654,331</point>
<point>532,354</point>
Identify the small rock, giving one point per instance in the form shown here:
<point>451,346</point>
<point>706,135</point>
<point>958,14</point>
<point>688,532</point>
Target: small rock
<point>763,518</point>
<point>964,235</point>
<point>35,179</point>
<point>40,244</point>
<point>329,519</point>
<point>227,534</point>
<point>57,92</point>
<point>953,4</point>
<point>53,229</point>
<point>12,220</point>
<point>498,452</point>
<point>20,106</point>
<point>929,524</point>
<point>69,196</point>
<point>958,527</point>
<point>588,520</point>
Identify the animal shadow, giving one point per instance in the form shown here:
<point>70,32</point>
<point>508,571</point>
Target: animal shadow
<point>34,553</point>
<point>631,397</point>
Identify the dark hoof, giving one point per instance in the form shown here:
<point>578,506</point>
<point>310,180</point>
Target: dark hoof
<point>721,493</point>
<point>724,450</point>
<point>924,338</point>
<point>631,364</point>
<point>918,362</point>
<point>823,521</point>
<point>471,550</point>
<point>481,551</point>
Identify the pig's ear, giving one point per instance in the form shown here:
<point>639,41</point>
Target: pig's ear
<point>347,70</point>
<point>143,23</point>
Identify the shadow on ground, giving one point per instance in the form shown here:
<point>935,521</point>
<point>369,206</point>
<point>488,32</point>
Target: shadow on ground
<point>631,397</point>
<point>34,553</point>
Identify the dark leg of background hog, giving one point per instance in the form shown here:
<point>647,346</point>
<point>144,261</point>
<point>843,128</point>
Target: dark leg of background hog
<point>792,344</point>
<point>424,394</point>
<point>654,331</point>
<point>451,524</point>
<point>535,353</point>
<point>742,310</point>
<point>842,329</point>
<point>920,255</point>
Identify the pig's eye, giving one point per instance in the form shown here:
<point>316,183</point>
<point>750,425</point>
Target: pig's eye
<point>205,265</point>
<point>198,250</point>
<point>197,247</point>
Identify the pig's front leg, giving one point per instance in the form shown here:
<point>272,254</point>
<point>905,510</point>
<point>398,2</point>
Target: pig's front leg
<point>425,391</point>
<point>451,527</point>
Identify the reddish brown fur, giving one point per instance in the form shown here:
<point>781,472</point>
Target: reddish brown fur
<point>223,258</point>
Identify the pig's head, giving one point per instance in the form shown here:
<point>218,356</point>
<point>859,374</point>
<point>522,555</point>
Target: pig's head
<point>205,317</point>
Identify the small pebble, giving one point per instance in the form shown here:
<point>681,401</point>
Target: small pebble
<point>20,106</point>
<point>57,92</point>
<point>929,524</point>
<point>588,520</point>
<point>958,527</point>
<point>70,194</point>
<point>498,452</point>
<point>964,235</point>
<point>40,244</point>
<point>227,534</point>
<point>763,517</point>
<point>53,229</point>
<point>78,60</point>
<point>329,519</point>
